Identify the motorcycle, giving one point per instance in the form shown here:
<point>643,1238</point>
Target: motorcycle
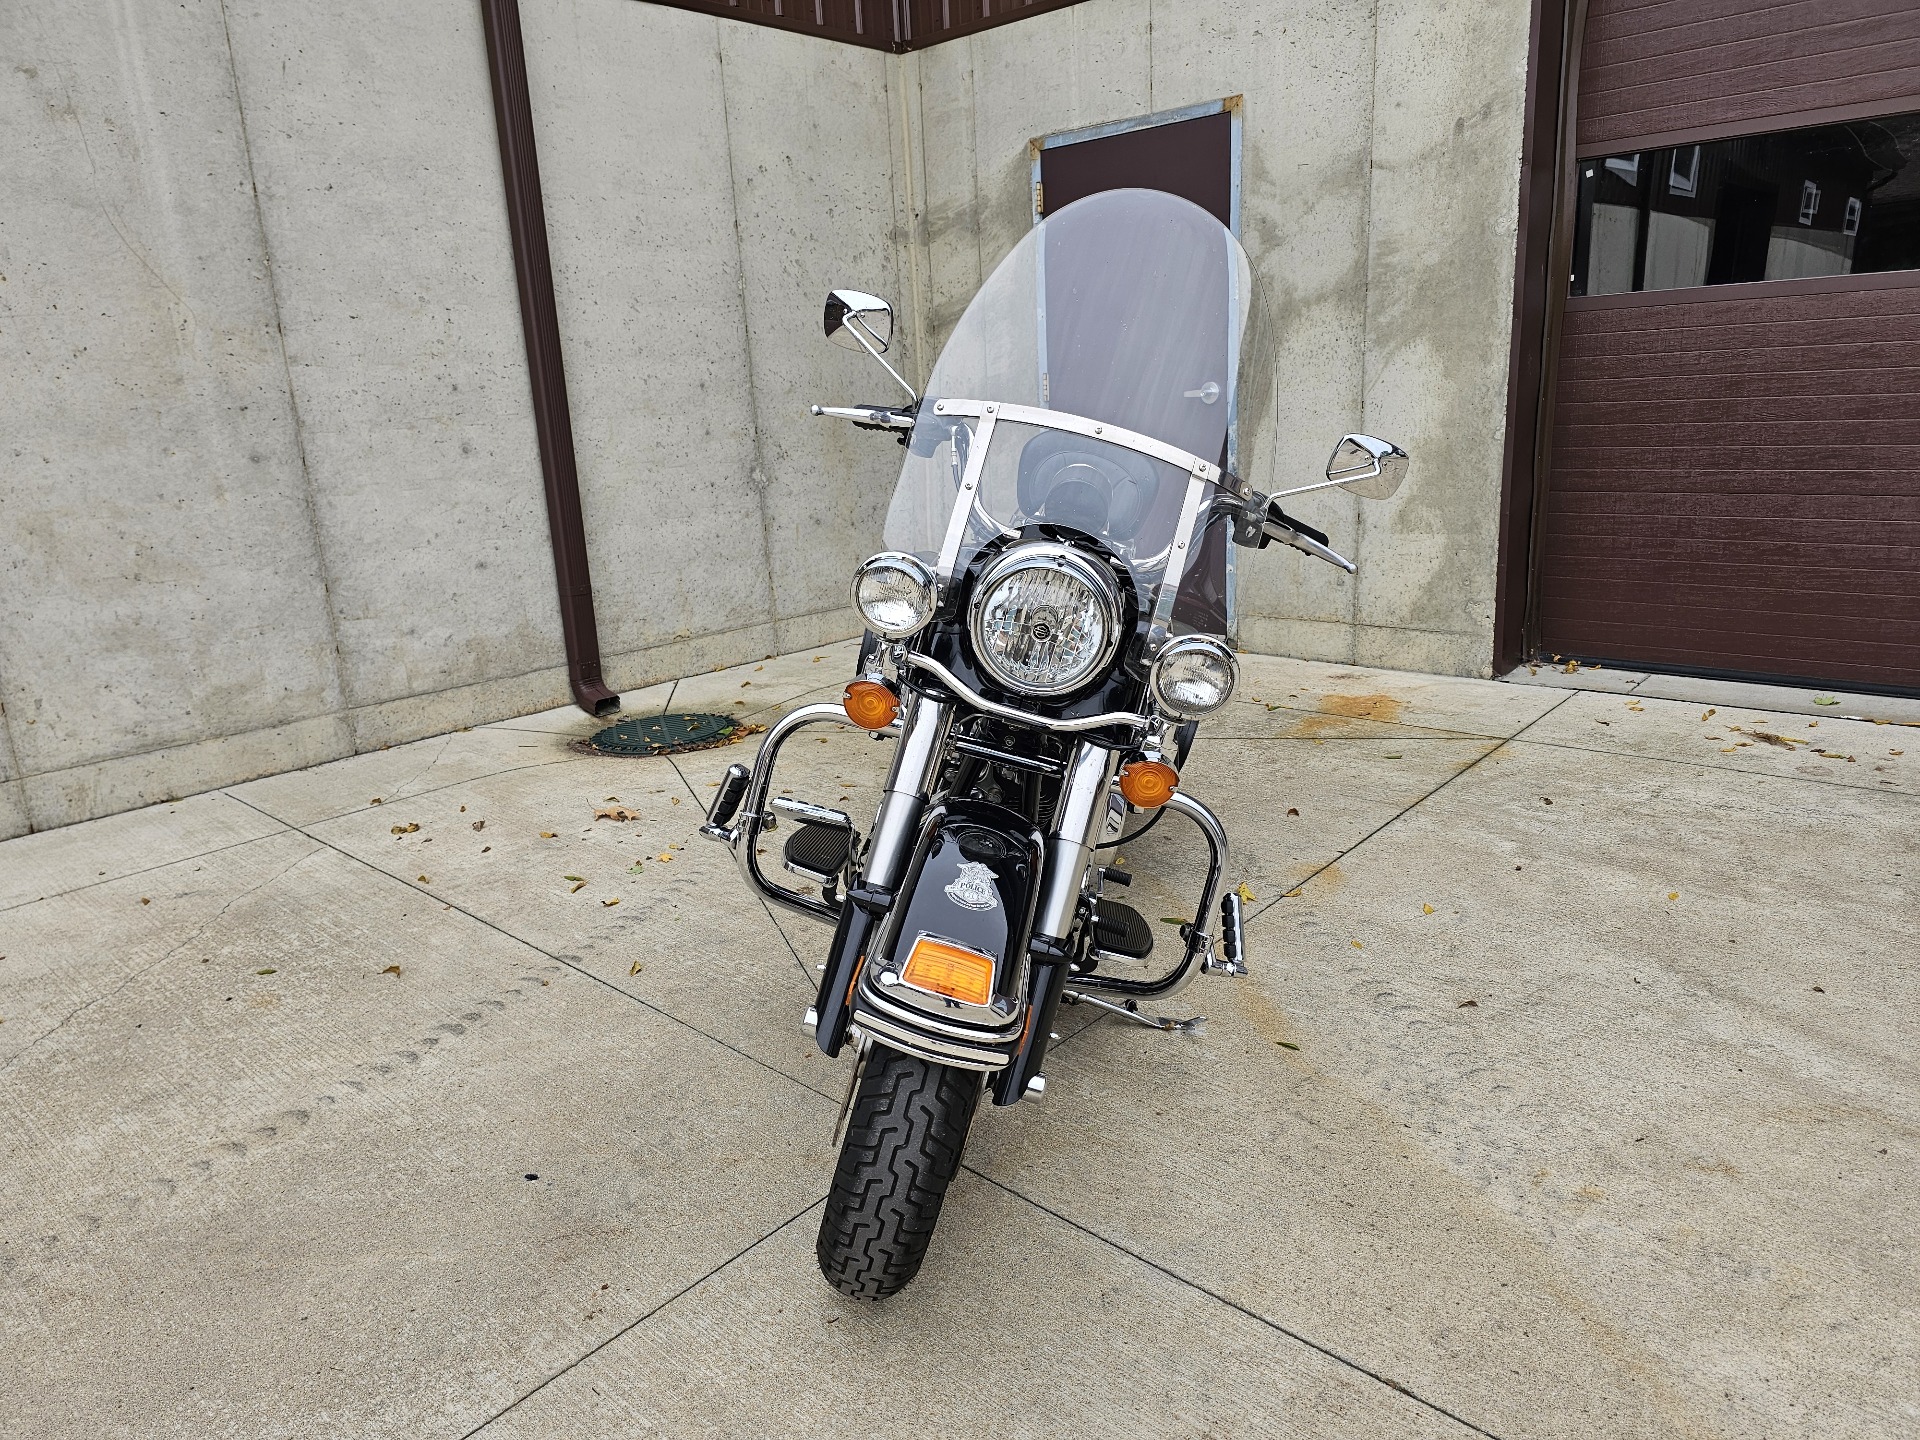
<point>1049,623</point>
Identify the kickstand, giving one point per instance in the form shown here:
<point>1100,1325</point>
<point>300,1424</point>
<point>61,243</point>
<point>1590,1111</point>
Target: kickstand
<point>853,1089</point>
<point>1130,1011</point>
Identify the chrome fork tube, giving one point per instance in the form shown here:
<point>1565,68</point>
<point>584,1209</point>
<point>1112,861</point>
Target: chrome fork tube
<point>916,770</point>
<point>1076,830</point>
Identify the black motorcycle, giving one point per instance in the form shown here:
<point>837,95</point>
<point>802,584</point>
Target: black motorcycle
<point>1049,623</point>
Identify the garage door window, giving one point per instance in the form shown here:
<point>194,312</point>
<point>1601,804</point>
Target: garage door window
<point>1831,200</point>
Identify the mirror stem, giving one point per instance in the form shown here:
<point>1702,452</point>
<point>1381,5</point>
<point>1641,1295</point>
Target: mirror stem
<point>1326,484</point>
<point>865,336</point>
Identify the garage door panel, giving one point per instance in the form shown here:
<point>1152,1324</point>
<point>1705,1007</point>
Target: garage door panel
<point>1622,36</point>
<point>1687,65</point>
<point>1838,513</point>
<point>1894,384</point>
<point>1755,610</point>
<point>1817,442</point>
<point>1825,366</point>
<point>1665,409</point>
<point>1887,327</point>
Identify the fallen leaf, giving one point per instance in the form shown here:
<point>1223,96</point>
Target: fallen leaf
<point>1711,713</point>
<point>634,869</point>
<point>664,856</point>
<point>425,881</point>
<point>268,971</point>
<point>146,900</point>
<point>485,848</point>
<point>578,888</point>
<point>1468,1005</point>
<point>1393,757</point>
<point>546,834</point>
<point>391,970</point>
<point>1286,1045</point>
<point>745,683</point>
<point>573,877</point>
<point>635,970</point>
<point>479,824</point>
<point>1819,990</point>
<point>1171,920</point>
<point>614,901</point>
<point>1426,909</point>
<point>1246,895</point>
<point>673,799</point>
<point>404,829</point>
<point>1673,895</point>
<point>1546,799</point>
<point>1896,752</point>
<point>1573,668</point>
<point>615,812</point>
<point>1293,812</point>
<point>463,809</point>
<point>1293,894</point>
<point>1357,945</point>
<point>1825,700</point>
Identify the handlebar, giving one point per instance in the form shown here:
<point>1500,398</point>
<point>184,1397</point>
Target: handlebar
<point>1261,521</point>
<point>870,417</point>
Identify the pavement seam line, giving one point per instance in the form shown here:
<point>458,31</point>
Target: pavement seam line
<point>172,951</point>
<point>1213,1295</point>
<point>147,869</point>
<point>641,1320</point>
<point>540,950</point>
<point>1717,769</point>
<point>1416,804</point>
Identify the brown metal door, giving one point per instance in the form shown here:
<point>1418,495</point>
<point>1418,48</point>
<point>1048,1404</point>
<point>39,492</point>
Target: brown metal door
<point>1735,467</point>
<point>1189,158</point>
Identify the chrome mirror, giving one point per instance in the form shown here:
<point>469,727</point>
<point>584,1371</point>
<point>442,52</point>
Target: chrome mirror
<point>860,321</point>
<point>1370,468</point>
<point>847,309</point>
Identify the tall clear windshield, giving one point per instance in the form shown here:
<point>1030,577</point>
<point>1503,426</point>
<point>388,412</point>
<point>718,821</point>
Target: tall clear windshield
<point>1131,308</point>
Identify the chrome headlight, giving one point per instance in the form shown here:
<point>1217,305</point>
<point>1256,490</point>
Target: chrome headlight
<point>1194,676</point>
<point>894,594</point>
<point>1045,619</point>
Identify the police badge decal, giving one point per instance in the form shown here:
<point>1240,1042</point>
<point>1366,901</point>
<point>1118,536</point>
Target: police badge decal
<point>975,887</point>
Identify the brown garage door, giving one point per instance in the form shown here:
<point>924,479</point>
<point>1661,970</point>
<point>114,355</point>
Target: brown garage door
<point>1735,482</point>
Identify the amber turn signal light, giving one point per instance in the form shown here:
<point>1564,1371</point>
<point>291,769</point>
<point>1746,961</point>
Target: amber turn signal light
<point>871,705</point>
<point>949,970</point>
<point>1148,784</point>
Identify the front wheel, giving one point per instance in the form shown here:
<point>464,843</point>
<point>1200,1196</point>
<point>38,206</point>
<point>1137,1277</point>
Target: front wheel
<point>904,1138</point>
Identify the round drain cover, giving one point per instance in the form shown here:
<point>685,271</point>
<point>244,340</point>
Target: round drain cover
<point>664,735</point>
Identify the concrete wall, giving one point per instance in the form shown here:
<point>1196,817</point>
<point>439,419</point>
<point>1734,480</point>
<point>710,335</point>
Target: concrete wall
<point>269,491</point>
<point>1379,184</point>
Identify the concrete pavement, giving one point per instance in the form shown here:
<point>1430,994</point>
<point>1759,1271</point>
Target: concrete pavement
<point>1572,1094</point>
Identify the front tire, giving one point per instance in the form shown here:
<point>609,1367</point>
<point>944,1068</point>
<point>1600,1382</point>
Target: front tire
<point>904,1138</point>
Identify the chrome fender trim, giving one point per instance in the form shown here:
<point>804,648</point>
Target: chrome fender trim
<point>1025,717</point>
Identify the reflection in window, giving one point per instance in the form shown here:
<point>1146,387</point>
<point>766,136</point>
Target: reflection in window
<point>1831,200</point>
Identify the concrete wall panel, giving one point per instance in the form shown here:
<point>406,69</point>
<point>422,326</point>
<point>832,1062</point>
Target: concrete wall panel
<point>373,144</point>
<point>1446,169</point>
<point>630,114</point>
<point>814,208</point>
<point>160,583</point>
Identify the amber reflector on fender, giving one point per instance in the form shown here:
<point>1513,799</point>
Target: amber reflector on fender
<point>949,970</point>
<point>871,705</point>
<point>1147,784</point>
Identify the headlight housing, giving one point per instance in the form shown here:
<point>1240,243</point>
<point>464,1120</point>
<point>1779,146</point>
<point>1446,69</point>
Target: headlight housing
<point>894,594</point>
<point>1194,676</point>
<point>1045,619</point>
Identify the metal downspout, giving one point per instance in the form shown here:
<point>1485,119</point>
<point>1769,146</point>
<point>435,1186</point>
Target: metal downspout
<point>553,422</point>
